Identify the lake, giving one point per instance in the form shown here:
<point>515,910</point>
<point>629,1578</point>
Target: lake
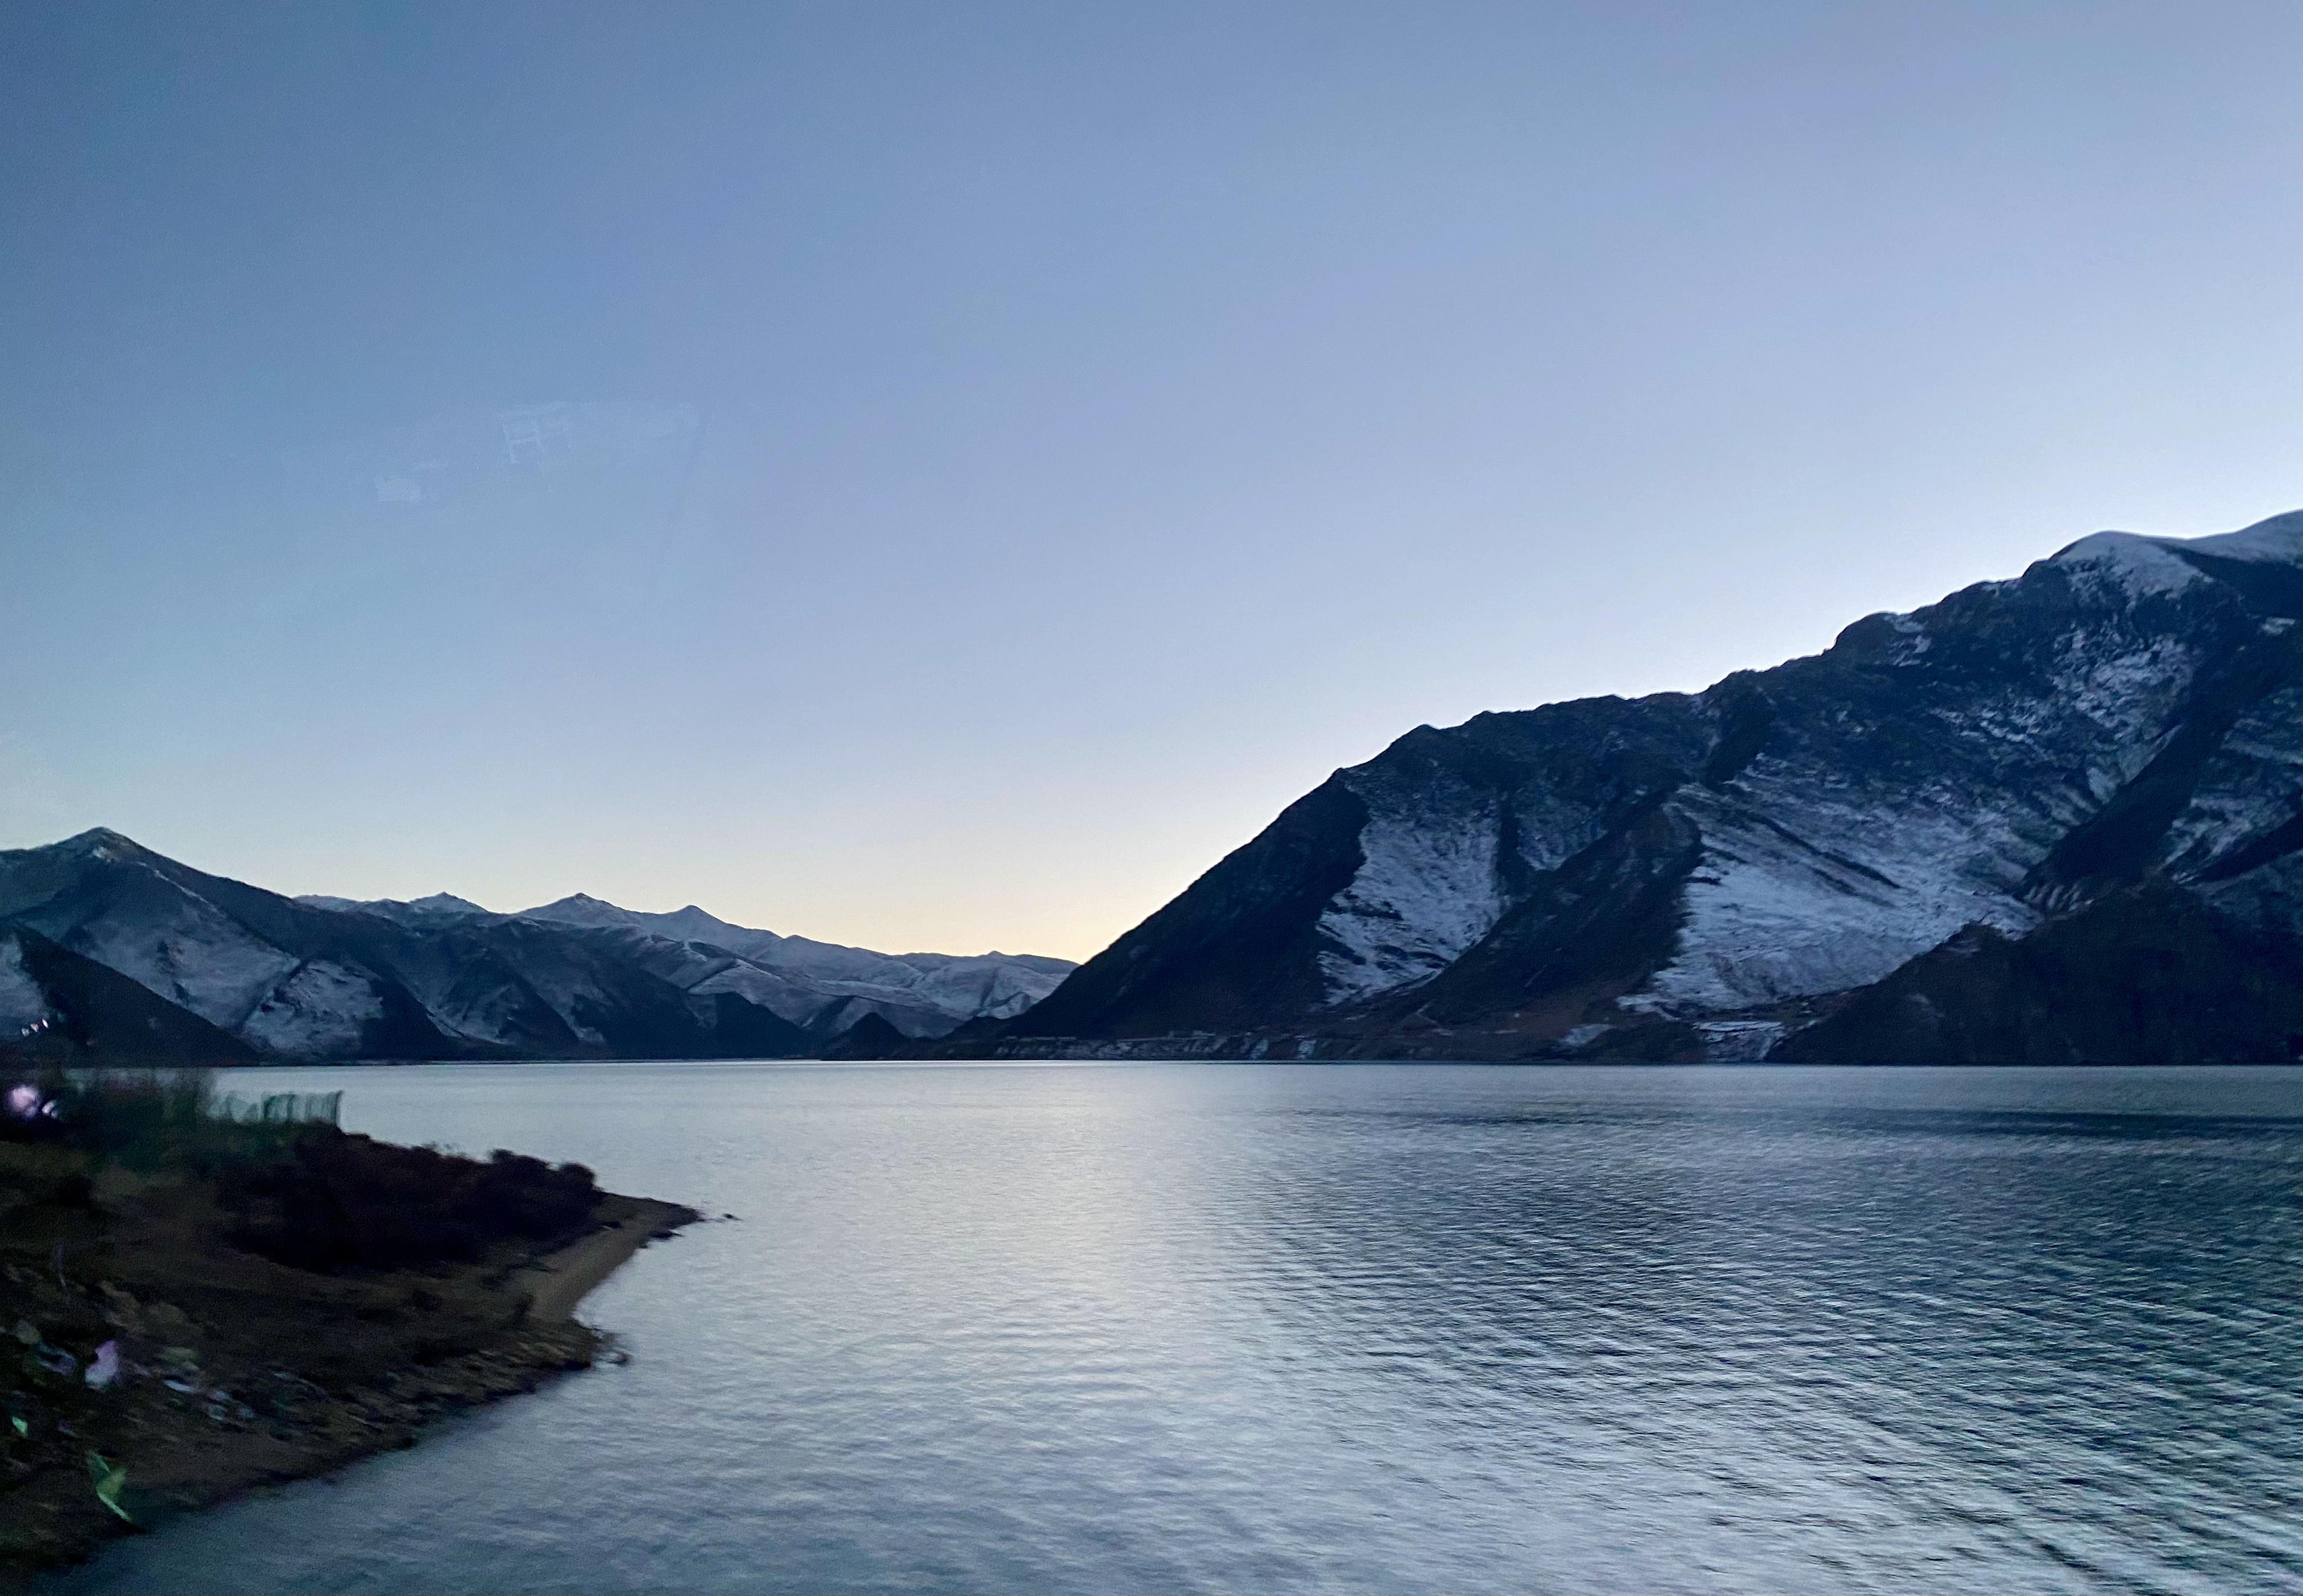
<point>1276,1328</point>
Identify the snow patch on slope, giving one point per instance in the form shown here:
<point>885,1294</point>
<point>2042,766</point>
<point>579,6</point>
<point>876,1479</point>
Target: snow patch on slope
<point>991,983</point>
<point>2135,565</point>
<point>194,955</point>
<point>569,990</point>
<point>21,1002</point>
<point>1852,895</point>
<point>1910,642</point>
<point>1739,1041</point>
<point>2252,785</point>
<point>1425,892</point>
<point>2126,689</point>
<point>2278,541</point>
<point>494,1014</point>
<point>321,1010</point>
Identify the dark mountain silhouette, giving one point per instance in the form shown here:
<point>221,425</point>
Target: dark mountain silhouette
<point>2050,819</point>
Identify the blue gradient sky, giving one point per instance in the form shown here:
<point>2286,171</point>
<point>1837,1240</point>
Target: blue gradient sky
<point>1115,416</point>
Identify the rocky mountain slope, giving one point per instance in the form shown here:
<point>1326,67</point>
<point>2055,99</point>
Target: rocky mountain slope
<point>117,947</point>
<point>2051,818</point>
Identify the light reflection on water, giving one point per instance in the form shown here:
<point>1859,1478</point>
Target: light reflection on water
<point>1370,1328</point>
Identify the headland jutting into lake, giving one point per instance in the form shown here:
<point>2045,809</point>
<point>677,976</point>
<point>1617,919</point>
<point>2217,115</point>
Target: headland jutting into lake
<point>206,1297</point>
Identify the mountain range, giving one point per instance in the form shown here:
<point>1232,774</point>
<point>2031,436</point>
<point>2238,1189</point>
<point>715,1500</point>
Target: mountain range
<point>2048,819</point>
<point>108,946</point>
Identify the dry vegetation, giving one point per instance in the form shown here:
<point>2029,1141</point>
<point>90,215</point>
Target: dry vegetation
<point>281,1297</point>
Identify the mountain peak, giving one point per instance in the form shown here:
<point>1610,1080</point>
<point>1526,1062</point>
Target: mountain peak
<point>446,902</point>
<point>2142,564</point>
<point>2275,540</point>
<point>2139,564</point>
<point>440,903</point>
<point>579,906</point>
<point>101,837</point>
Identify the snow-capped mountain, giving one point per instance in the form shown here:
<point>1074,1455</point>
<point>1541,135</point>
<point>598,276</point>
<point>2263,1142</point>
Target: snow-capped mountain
<point>921,994</point>
<point>2053,818</point>
<point>415,912</point>
<point>134,953</point>
<point>822,986</point>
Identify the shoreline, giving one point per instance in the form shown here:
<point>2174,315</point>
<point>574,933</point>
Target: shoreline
<point>184,1452</point>
<point>576,1271</point>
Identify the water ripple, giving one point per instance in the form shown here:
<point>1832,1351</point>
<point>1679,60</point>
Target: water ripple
<point>1381,1327</point>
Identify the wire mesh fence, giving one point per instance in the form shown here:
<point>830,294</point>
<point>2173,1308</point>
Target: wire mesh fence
<point>282,1108</point>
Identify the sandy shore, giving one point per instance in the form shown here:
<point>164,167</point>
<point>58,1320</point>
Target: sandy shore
<point>563,1279</point>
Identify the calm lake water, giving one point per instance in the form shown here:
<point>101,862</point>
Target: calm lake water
<point>1364,1328</point>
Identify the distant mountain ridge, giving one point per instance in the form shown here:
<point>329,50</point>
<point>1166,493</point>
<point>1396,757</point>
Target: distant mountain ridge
<point>418,910</point>
<point>2053,819</point>
<point>919,995</point>
<point>441,977</point>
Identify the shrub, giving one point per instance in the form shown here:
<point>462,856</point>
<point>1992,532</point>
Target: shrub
<point>296,1188</point>
<point>333,1201</point>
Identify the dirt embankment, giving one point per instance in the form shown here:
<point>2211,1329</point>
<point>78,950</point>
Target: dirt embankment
<point>236,1370</point>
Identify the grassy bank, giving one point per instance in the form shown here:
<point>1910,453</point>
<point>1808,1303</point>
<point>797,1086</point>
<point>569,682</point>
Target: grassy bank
<point>203,1295</point>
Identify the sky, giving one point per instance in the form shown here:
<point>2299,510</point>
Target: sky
<point>1018,449</point>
